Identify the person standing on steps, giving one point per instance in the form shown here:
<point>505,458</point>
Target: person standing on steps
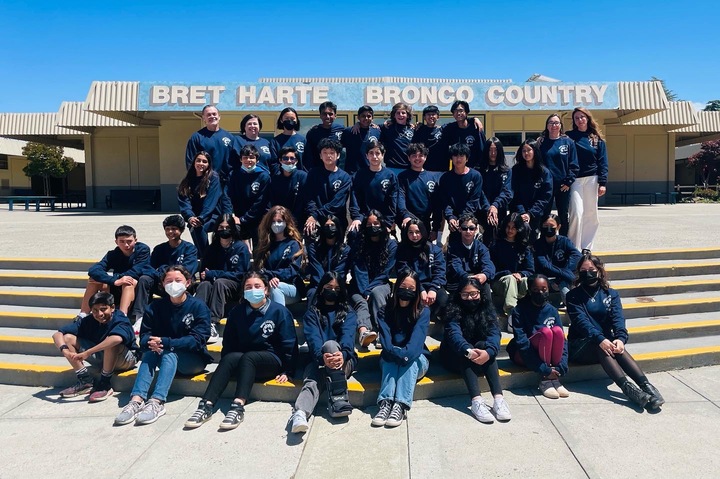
<point>214,140</point>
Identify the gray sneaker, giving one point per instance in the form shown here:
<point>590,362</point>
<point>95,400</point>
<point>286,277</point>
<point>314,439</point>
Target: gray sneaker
<point>152,411</point>
<point>129,413</point>
<point>298,422</point>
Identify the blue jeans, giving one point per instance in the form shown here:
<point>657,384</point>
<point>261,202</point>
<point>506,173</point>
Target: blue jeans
<point>398,382</point>
<point>285,294</point>
<point>168,363</point>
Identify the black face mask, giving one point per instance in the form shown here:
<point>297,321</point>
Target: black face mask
<point>330,295</point>
<point>539,297</point>
<point>548,231</point>
<point>373,230</point>
<point>405,294</point>
<point>329,231</point>
<point>224,234</point>
<point>289,124</point>
<point>588,278</point>
<point>470,305</point>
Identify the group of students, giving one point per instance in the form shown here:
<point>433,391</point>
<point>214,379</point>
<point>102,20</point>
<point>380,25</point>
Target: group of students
<point>281,234</point>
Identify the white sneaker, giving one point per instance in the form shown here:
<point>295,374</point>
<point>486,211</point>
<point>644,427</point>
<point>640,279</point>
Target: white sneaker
<point>481,411</point>
<point>501,410</point>
<point>367,337</point>
<point>548,389</point>
<point>137,325</point>
<point>298,422</point>
<point>214,336</point>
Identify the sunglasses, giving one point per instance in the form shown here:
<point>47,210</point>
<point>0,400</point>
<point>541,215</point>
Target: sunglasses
<point>468,228</point>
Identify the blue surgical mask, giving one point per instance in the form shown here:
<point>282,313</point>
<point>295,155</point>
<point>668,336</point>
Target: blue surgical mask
<point>289,167</point>
<point>255,295</point>
<point>249,170</point>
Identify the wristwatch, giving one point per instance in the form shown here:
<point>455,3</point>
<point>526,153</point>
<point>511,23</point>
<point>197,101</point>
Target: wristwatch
<point>468,352</point>
<point>63,347</point>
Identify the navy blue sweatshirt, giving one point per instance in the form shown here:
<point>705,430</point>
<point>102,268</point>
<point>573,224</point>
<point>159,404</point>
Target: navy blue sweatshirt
<point>596,314</point>
<point>356,147</point>
<point>323,258</point>
<point>557,259</point>
<point>311,157</point>
<point>327,192</point>
<point>454,340</point>
<point>431,272</point>
<point>438,158</point>
<point>270,328</point>
<point>282,140</point>
<point>396,139</point>
<point>287,191</point>
<point>530,195</point>
<point>418,197</point>
<point>218,143</point>
<point>263,148</point>
<point>463,261</point>
<point>283,264</point>
<point>250,195</point>
<point>365,268</point>
<point>497,187</point>
<point>560,158</point>
<point>462,194</point>
<point>403,338</point>
<point>164,256</point>
<point>201,206</point>
<point>229,263</point>
<point>374,190</point>
<point>89,328</point>
<point>511,258</point>
<point>135,265</point>
<point>527,319</point>
<point>470,136</point>
<point>592,159</point>
<point>321,325</point>
<point>182,328</point>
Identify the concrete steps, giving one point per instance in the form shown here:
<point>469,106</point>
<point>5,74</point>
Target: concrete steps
<point>671,301</point>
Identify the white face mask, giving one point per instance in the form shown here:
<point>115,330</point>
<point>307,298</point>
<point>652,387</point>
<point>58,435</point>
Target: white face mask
<point>175,289</point>
<point>278,227</point>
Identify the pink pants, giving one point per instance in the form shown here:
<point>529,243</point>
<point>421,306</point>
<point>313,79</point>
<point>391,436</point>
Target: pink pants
<point>549,343</point>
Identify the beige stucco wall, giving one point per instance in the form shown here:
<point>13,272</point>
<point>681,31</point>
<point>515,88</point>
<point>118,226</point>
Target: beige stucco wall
<point>14,174</point>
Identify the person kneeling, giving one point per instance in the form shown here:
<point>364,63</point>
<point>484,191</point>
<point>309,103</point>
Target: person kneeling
<point>539,342</point>
<point>103,339</point>
<point>404,323</point>
<point>259,343</point>
<point>173,336</point>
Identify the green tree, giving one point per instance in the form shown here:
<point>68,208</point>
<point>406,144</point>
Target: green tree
<point>46,161</point>
<point>671,95</point>
<point>706,160</point>
<point>712,105</point>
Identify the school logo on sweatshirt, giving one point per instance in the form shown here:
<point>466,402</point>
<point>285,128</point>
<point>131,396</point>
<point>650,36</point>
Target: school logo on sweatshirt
<point>607,302</point>
<point>255,187</point>
<point>538,184</point>
<point>469,186</point>
<point>372,139</point>
<point>437,134</point>
<point>563,149</point>
<point>287,252</point>
<point>267,328</point>
<point>503,177</point>
<point>338,134</point>
<point>226,141</point>
<point>430,186</point>
<point>234,259</point>
<point>560,255</point>
<point>188,319</point>
<point>408,133</point>
<point>470,140</point>
<point>300,147</point>
<point>549,322</point>
<point>265,150</point>
<point>385,185</point>
<point>336,185</point>
<point>181,259</point>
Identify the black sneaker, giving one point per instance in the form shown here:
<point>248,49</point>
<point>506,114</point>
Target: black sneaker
<point>201,415</point>
<point>382,416</point>
<point>234,417</point>
<point>397,415</point>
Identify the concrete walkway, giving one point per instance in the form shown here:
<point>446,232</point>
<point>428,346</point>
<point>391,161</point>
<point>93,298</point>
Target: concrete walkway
<point>594,433</point>
<point>89,235</point>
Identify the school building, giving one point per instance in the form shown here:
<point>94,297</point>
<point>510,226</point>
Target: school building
<point>133,134</point>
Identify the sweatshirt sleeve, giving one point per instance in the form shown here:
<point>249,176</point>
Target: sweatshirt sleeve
<point>573,165</point>
<point>288,268</point>
<point>185,206</point>
<point>140,262</point>
<point>455,338</point>
<point>617,319</point>
<point>212,198</point>
<point>287,345</point>
<point>439,270</point>
<point>99,271</point>
<point>544,195</point>
<point>602,163</point>
<point>198,335</point>
<point>261,204</point>
<point>502,201</point>
<point>416,345</point>
<point>347,335</point>
<point>384,276</point>
<point>522,341</point>
<point>313,334</point>
<point>338,201</point>
<point>581,320</point>
<point>527,268</point>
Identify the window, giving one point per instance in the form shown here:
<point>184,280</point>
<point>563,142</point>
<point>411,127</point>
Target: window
<point>3,162</point>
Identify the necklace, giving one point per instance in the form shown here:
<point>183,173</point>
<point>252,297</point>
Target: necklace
<point>592,298</point>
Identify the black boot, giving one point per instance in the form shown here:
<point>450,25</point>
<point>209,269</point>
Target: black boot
<point>635,394</point>
<point>338,400</point>
<point>656,399</point>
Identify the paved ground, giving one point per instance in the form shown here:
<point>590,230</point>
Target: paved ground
<point>88,235</point>
<point>594,433</point>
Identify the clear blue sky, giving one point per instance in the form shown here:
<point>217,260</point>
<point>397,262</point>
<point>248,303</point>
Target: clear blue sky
<point>52,51</point>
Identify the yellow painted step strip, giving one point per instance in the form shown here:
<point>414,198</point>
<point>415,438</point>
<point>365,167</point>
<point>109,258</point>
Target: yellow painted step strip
<point>644,267</point>
<point>677,353</point>
<point>42,276</point>
<point>655,251</point>
<point>8,314</point>
<point>667,284</point>
<point>674,326</point>
<point>44,294</point>
<point>35,368</point>
<point>674,302</point>
<point>51,260</point>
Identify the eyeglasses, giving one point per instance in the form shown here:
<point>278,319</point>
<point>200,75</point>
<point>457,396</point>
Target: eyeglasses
<point>470,295</point>
<point>288,159</point>
<point>468,228</point>
<point>554,123</point>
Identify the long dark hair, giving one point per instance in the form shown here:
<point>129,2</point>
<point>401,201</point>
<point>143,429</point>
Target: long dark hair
<point>393,303</point>
<point>520,162</point>
<point>321,245</point>
<point>341,305</point>
<point>500,164</point>
<point>522,237</point>
<point>599,265</point>
<point>365,244</point>
<point>478,324</point>
<point>184,188</point>
<point>233,228</point>
<point>405,242</point>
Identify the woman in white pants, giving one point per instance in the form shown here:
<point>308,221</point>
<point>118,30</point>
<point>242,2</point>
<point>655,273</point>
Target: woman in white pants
<point>590,182</point>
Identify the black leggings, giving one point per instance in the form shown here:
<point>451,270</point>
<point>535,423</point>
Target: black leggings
<point>616,367</point>
<point>470,371</point>
<point>246,368</point>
